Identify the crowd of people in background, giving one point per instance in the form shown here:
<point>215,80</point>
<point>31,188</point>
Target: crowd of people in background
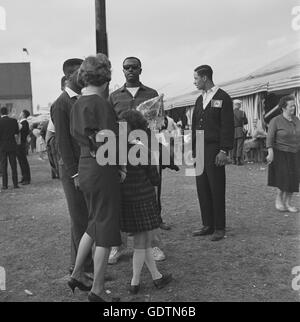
<point>109,203</point>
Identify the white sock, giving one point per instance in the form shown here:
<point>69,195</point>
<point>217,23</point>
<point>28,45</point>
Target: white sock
<point>151,264</point>
<point>138,261</point>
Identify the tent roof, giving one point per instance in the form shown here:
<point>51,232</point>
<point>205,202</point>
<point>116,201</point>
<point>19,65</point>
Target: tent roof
<point>283,73</point>
<point>15,81</point>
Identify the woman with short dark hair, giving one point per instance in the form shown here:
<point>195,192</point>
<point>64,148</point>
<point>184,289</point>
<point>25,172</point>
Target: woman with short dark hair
<point>99,184</point>
<point>283,143</point>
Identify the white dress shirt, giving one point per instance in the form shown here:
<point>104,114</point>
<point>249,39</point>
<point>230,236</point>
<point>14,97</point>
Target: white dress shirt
<point>208,95</point>
<point>70,92</point>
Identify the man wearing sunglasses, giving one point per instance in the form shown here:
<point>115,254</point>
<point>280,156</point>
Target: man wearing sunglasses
<point>130,96</point>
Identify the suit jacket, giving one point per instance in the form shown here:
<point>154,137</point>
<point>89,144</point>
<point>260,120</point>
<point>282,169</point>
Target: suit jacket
<point>24,132</point>
<point>216,120</point>
<point>8,129</point>
<point>240,120</point>
<point>68,147</point>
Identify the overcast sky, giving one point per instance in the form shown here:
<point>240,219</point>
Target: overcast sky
<point>171,37</point>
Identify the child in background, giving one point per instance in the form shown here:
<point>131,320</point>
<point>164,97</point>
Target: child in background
<point>40,144</point>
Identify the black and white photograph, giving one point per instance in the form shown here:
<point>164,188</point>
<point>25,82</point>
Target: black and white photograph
<point>149,153</point>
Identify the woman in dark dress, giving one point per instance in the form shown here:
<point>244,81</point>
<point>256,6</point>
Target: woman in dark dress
<point>140,212</point>
<point>283,143</point>
<point>100,184</point>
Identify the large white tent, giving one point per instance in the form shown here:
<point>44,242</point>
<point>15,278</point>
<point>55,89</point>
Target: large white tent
<point>281,77</point>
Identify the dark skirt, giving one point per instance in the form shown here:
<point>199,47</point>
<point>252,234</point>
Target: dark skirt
<point>101,189</point>
<point>140,216</point>
<point>284,172</point>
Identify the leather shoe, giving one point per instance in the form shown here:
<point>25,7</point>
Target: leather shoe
<point>134,289</point>
<point>25,183</point>
<point>206,230</point>
<point>164,226</point>
<point>163,281</point>
<point>218,235</point>
<point>4,188</point>
<point>92,297</point>
<point>16,187</point>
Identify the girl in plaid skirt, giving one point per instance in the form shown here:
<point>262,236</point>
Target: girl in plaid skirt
<point>140,213</point>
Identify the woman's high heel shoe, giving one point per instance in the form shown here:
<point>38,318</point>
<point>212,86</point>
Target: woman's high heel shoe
<point>92,297</point>
<point>73,283</point>
<point>280,207</point>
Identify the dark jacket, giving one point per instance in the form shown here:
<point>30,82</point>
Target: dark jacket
<point>122,100</point>
<point>68,147</point>
<point>8,129</point>
<point>140,181</point>
<point>24,132</point>
<point>217,122</point>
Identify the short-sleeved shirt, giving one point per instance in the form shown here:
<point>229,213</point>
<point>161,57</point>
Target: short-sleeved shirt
<point>122,100</point>
<point>284,135</point>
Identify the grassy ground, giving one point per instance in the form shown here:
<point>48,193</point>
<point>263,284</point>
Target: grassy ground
<point>254,262</point>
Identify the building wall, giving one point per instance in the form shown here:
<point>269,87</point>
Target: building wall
<point>16,106</point>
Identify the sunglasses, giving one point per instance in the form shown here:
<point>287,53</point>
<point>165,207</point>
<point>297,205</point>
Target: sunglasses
<point>134,67</point>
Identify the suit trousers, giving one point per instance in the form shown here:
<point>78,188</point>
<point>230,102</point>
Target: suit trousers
<point>12,157</point>
<point>238,148</point>
<point>211,190</point>
<point>79,217</point>
<point>53,157</point>
<point>23,162</point>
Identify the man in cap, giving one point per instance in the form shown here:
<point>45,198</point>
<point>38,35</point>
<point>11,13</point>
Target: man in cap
<point>240,120</point>
<point>69,152</point>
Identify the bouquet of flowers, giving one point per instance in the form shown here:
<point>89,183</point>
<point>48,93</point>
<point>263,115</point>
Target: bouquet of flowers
<point>153,111</point>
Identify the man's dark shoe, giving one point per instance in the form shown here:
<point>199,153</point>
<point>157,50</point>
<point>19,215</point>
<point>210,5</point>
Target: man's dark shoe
<point>162,282</point>
<point>164,226</point>
<point>25,183</point>
<point>4,188</point>
<point>203,231</point>
<point>218,235</point>
<point>16,187</point>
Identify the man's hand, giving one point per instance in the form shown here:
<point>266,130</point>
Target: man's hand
<point>76,182</point>
<point>221,159</point>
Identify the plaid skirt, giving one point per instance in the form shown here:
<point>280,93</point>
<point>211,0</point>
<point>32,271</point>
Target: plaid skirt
<point>140,216</point>
<point>284,171</point>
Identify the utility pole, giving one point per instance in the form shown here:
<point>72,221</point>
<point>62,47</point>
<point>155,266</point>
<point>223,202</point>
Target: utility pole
<point>101,34</point>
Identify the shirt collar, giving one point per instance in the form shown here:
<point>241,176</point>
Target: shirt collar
<point>211,90</point>
<point>23,120</point>
<point>4,116</point>
<point>70,92</point>
<point>124,87</point>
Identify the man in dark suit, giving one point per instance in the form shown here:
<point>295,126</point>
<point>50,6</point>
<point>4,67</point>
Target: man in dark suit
<point>9,130</point>
<point>240,120</point>
<point>22,148</point>
<point>69,152</point>
<point>213,114</point>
